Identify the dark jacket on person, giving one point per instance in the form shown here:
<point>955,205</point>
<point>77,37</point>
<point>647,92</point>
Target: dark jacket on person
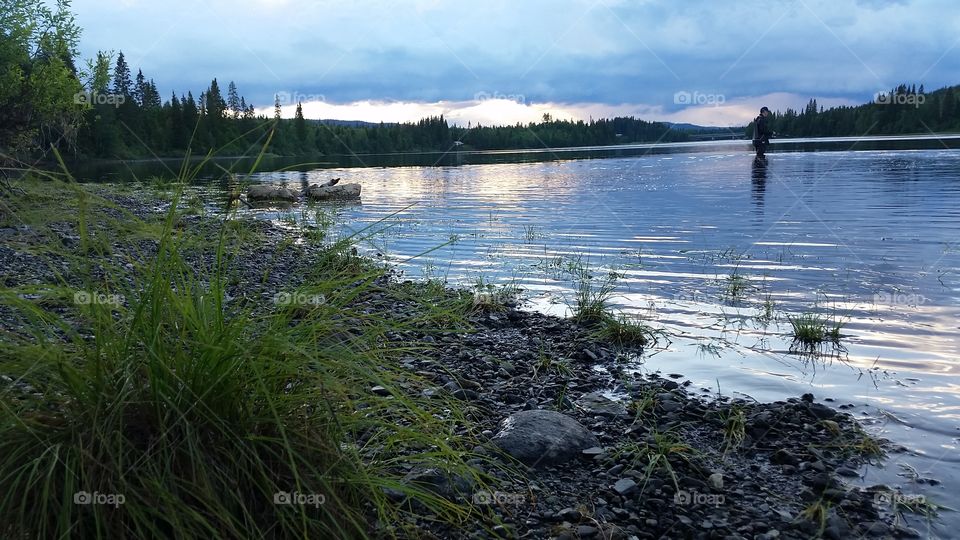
<point>761,129</point>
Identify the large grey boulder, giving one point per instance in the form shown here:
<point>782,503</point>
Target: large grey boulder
<point>540,437</point>
<point>338,191</point>
<point>264,192</point>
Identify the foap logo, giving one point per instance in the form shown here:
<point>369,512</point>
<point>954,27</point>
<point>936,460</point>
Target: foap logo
<point>96,98</point>
<point>684,97</point>
<point>298,299</point>
<point>899,299</point>
<point>900,98</point>
<point>500,498</point>
<point>87,298</point>
<point>485,96</point>
<point>110,499</point>
<point>691,296</point>
<point>492,298</point>
<point>895,498</point>
<point>285,97</point>
<point>295,497</point>
<point>689,498</point>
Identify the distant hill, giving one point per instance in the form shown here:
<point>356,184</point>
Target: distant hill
<point>354,123</point>
<point>683,126</point>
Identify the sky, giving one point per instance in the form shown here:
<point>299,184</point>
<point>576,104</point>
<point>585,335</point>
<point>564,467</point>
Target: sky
<point>506,61</point>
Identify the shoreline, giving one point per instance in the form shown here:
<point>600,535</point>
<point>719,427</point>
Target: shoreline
<point>919,136</point>
<point>669,460</point>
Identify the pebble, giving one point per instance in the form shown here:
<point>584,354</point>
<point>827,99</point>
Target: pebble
<point>716,480</point>
<point>625,486</point>
<point>587,531</point>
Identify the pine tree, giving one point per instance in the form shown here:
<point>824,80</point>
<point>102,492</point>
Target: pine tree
<point>122,85</point>
<point>152,100</point>
<point>139,89</point>
<point>233,100</point>
<point>216,106</point>
<point>177,131</point>
<point>190,112</point>
<point>300,124</point>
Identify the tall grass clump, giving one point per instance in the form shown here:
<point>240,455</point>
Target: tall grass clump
<point>626,331</point>
<point>168,405</point>
<point>592,306</point>
<point>591,298</point>
<point>811,330</point>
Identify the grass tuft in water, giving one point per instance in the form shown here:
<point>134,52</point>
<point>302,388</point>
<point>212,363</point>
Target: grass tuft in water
<point>625,331</point>
<point>811,330</point>
<point>735,286</point>
<point>591,297</point>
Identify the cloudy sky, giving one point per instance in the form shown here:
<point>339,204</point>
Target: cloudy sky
<point>503,61</point>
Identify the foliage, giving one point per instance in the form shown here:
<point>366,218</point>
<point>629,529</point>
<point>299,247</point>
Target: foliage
<point>38,78</point>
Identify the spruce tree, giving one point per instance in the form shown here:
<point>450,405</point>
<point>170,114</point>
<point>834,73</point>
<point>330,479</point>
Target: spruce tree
<point>216,106</point>
<point>152,99</point>
<point>300,124</point>
<point>190,113</point>
<point>233,100</point>
<point>122,85</point>
<point>139,88</point>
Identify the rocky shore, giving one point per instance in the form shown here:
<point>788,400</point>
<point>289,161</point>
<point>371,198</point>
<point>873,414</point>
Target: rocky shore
<point>663,460</point>
<point>574,441</point>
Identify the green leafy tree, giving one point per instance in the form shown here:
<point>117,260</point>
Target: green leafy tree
<point>41,97</point>
<point>98,72</point>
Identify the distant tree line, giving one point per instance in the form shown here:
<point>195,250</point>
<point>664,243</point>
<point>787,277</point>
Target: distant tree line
<point>905,109</point>
<point>104,111</point>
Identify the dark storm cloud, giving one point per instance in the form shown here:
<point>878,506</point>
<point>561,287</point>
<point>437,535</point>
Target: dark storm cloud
<point>604,52</point>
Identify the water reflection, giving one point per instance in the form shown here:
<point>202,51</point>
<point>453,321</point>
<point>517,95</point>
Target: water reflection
<point>758,176</point>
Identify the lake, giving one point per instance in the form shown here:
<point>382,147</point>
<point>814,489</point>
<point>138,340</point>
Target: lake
<point>719,254</point>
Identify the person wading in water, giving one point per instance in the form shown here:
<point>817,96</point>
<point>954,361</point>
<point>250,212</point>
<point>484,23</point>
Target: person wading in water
<point>762,133</point>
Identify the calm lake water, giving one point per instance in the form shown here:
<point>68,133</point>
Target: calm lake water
<point>867,237</point>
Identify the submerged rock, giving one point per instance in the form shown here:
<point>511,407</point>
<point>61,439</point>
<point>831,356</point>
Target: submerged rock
<point>338,191</point>
<point>540,437</point>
